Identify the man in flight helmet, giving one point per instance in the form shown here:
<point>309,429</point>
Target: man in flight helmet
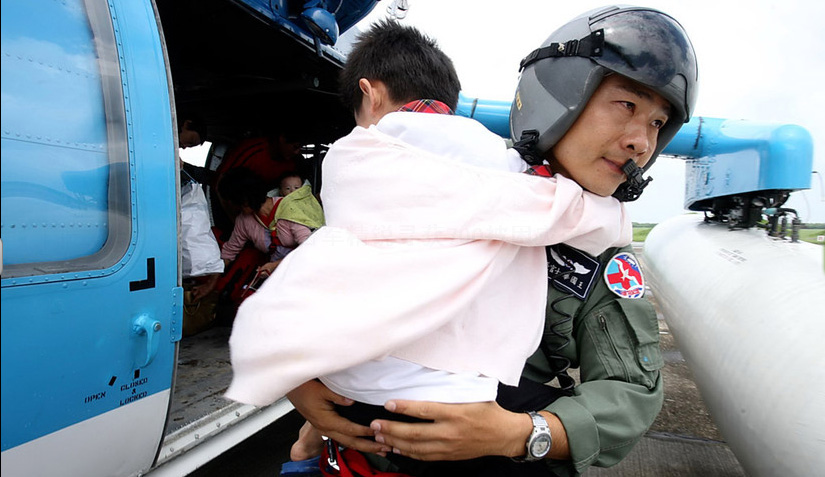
<point>627,47</point>
<point>597,102</point>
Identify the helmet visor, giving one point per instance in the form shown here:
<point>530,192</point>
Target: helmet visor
<point>653,49</point>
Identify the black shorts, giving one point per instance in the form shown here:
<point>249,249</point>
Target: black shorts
<point>528,396</point>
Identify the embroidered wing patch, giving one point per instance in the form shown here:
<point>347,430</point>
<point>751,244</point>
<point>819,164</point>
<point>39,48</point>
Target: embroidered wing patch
<point>572,270</point>
<point>623,276</point>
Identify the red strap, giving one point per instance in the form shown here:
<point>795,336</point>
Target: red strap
<point>542,170</point>
<point>351,463</point>
<point>267,219</point>
<point>273,232</point>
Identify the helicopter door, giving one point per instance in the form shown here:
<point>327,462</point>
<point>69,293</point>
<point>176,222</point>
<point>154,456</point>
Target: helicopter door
<point>91,303</point>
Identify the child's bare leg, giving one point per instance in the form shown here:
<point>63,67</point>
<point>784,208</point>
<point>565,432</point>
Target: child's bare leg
<point>309,443</point>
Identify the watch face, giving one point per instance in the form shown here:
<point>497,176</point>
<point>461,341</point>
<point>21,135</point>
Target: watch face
<point>540,445</point>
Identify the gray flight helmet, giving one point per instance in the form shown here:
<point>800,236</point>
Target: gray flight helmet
<point>558,79</point>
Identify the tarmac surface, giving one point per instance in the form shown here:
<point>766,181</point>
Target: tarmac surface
<point>682,442</point>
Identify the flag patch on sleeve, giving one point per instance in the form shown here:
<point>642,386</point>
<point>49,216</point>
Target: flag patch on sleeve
<point>623,276</point>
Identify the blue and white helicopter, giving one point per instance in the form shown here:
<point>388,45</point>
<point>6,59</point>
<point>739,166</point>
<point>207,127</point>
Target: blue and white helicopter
<point>92,303</point>
<point>91,282</point>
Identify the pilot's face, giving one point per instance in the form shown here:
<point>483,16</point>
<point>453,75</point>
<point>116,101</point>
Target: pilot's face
<point>621,121</point>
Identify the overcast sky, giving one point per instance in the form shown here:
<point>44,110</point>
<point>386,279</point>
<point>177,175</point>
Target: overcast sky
<point>760,60</point>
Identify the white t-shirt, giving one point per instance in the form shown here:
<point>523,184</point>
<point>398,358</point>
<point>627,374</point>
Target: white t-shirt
<point>375,382</point>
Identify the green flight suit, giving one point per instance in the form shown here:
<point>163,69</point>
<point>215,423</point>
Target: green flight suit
<point>615,343</point>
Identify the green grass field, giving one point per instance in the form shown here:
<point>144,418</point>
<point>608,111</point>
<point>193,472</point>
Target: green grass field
<point>640,233</point>
<point>808,235</point>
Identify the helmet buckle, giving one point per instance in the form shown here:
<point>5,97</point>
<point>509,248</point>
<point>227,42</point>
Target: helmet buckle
<point>526,147</point>
<point>570,48</point>
<point>588,47</point>
<point>631,189</point>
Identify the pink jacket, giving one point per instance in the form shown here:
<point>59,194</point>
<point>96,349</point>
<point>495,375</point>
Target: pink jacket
<point>423,258</point>
<point>247,229</point>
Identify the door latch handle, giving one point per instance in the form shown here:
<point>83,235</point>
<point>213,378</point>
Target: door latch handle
<point>144,326</point>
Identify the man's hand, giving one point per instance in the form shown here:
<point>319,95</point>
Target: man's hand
<point>459,431</point>
<point>317,404</point>
<point>269,267</point>
<point>463,431</point>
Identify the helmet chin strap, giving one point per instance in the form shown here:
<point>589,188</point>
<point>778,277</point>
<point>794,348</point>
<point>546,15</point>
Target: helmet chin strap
<point>632,188</point>
<point>526,146</point>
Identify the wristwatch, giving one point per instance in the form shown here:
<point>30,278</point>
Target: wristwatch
<point>538,444</point>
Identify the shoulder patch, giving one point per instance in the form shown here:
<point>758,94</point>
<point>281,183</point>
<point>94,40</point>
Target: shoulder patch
<point>623,276</point>
<point>571,269</point>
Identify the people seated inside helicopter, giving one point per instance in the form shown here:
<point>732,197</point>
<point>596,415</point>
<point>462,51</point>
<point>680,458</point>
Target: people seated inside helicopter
<point>269,225</point>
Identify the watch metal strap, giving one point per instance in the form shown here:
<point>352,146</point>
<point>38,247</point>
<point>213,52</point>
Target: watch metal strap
<point>539,422</point>
<point>540,426</point>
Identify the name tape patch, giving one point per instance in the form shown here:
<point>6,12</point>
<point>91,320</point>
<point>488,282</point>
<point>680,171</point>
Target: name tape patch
<point>571,270</point>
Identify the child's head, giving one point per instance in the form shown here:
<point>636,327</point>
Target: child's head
<point>289,183</point>
<point>408,63</point>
